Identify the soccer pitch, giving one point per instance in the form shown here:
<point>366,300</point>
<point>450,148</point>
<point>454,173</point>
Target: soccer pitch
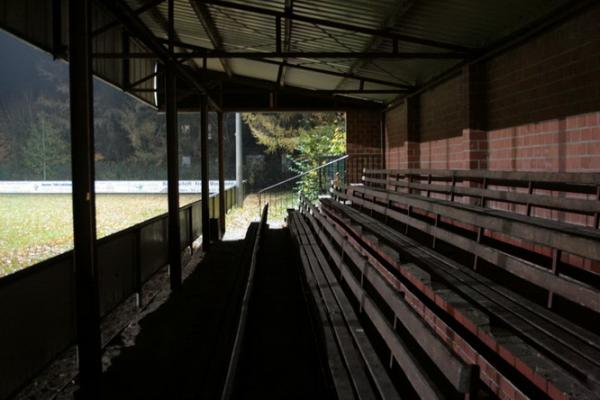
<point>34,227</point>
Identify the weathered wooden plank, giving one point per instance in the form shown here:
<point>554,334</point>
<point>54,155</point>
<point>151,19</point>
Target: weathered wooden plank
<point>458,374</point>
<point>553,202</point>
<point>574,178</point>
<point>377,372</point>
<point>421,382</point>
<point>582,242</point>
<point>587,337</point>
<point>339,374</point>
<point>476,291</point>
<point>575,291</point>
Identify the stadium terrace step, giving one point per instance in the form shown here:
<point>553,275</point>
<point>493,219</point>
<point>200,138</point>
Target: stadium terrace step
<point>531,347</point>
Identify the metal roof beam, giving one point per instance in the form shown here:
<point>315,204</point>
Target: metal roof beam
<point>398,10</point>
<point>210,27</point>
<point>137,11</point>
<point>338,25</point>
<point>267,95</point>
<point>295,54</point>
<point>331,91</point>
<point>287,42</point>
<point>136,27</point>
<point>306,68</point>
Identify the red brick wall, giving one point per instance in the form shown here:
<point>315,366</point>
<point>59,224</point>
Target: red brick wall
<point>568,144</point>
<point>441,111</point>
<point>395,137</point>
<point>555,75</point>
<point>539,103</point>
<point>467,151</point>
<point>364,142</point>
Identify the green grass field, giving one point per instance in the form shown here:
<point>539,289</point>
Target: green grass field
<point>35,227</point>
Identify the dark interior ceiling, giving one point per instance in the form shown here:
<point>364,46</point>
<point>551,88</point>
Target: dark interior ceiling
<point>287,54</point>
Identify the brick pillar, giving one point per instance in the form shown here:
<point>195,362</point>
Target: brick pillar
<point>474,116</point>
<point>476,148</point>
<point>364,142</point>
<point>412,144</point>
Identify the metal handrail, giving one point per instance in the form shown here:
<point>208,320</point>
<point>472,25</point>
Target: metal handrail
<point>302,174</point>
<point>241,327</point>
<point>264,191</point>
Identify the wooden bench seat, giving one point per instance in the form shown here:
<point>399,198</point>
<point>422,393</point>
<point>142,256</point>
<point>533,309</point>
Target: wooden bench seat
<point>525,228</point>
<point>563,354</point>
<point>578,192</point>
<point>356,369</point>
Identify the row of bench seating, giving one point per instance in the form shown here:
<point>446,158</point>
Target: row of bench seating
<point>463,327</point>
<point>556,255</point>
<point>454,375</point>
<point>354,367</point>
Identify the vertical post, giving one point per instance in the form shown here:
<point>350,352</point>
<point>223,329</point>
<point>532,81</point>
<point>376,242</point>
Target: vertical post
<point>138,267</point>
<point>173,165</point>
<point>597,214</point>
<point>239,172</point>
<point>204,162</point>
<point>57,45</point>
<point>84,198</point>
<point>556,254</point>
<point>278,34</point>
<point>221,172</point>
<point>125,44</point>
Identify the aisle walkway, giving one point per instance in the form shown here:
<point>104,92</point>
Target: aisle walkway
<point>280,356</point>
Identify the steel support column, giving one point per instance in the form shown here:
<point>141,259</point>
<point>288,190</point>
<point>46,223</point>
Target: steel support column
<point>173,178</point>
<point>221,172</point>
<point>239,168</point>
<point>204,162</point>
<point>173,161</point>
<point>84,208</point>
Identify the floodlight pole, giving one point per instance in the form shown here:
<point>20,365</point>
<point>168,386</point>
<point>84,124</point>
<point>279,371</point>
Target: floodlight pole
<point>84,207</point>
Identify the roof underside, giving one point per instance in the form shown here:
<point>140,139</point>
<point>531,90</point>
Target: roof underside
<point>388,47</point>
<point>472,24</point>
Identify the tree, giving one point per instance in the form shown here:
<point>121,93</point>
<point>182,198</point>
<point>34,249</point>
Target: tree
<point>46,149</point>
<point>307,138</point>
<point>275,131</point>
<point>4,147</point>
<point>316,146</point>
<point>146,133</point>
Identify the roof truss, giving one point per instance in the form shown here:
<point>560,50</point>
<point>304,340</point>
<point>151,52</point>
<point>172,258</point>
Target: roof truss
<point>290,15</point>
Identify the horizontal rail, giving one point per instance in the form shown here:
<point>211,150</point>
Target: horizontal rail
<point>576,178</point>
<point>546,201</point>
<point>301,174</point>
<point>581,241</point>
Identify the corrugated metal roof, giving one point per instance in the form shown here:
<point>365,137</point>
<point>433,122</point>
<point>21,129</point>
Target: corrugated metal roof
<point>474,23</point>
<point>469,23</point>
